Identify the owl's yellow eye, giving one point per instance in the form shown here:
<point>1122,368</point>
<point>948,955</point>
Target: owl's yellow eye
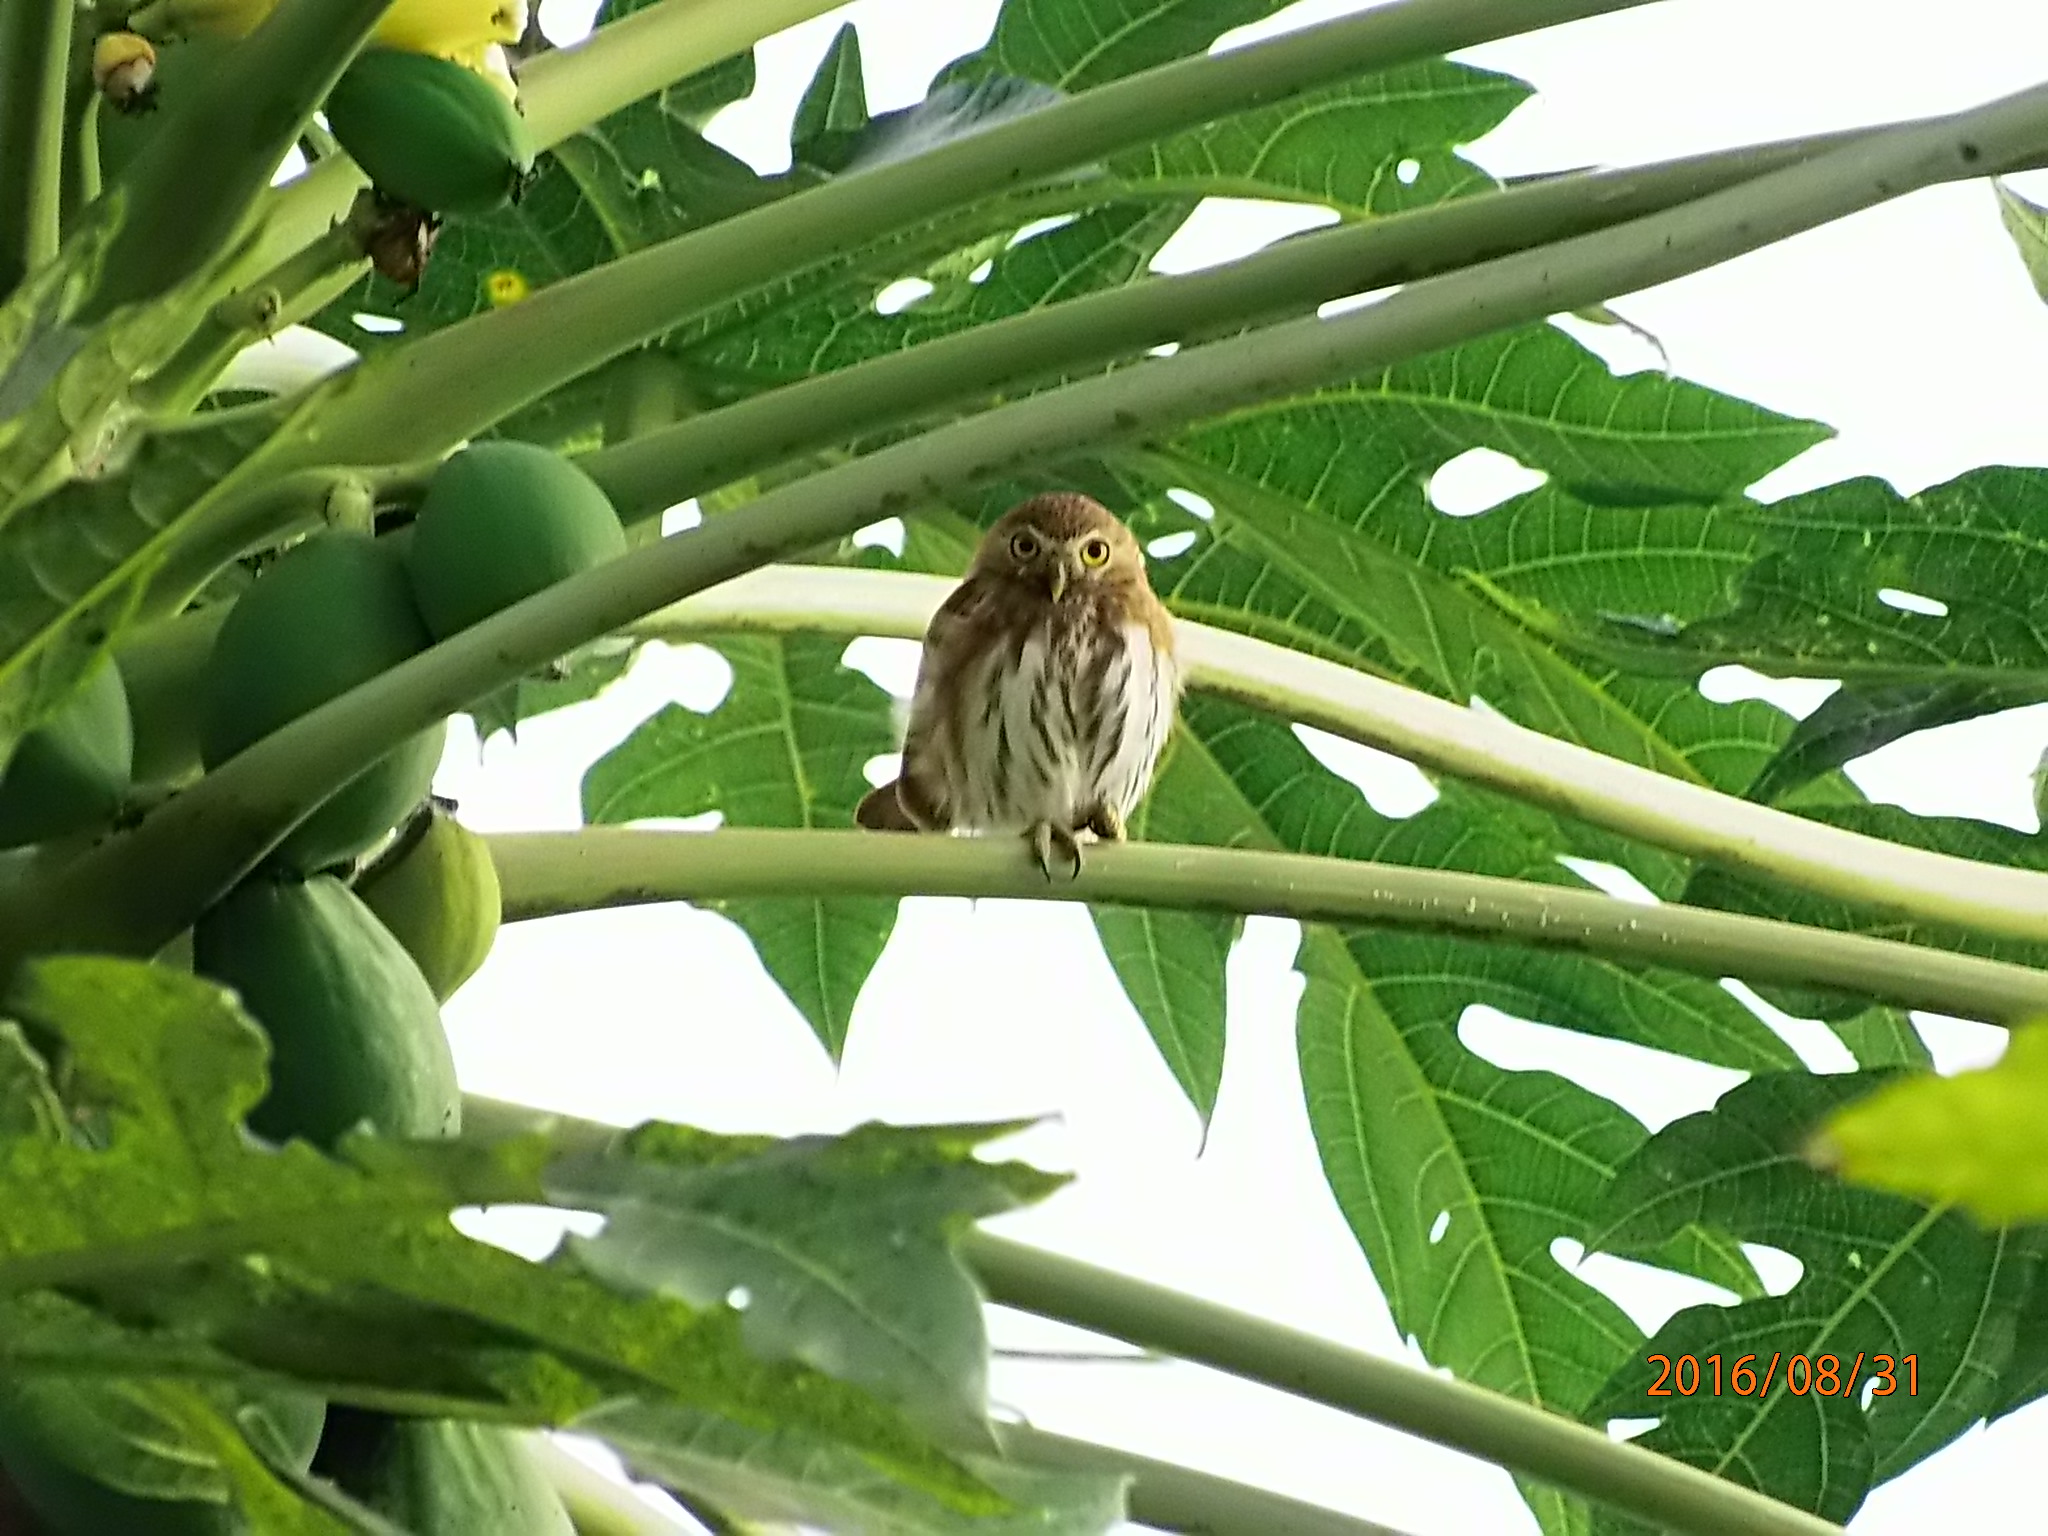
<point>1022,546</point>
<point>1095,552</point>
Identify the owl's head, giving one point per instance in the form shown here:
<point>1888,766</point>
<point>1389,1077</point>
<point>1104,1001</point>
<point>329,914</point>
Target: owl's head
<point>1060,543</point>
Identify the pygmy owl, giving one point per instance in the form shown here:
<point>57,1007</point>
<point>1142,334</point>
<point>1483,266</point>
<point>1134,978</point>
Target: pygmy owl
<point>1046,689</point>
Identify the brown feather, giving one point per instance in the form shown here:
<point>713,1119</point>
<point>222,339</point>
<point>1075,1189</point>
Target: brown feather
<point>1047,685</point>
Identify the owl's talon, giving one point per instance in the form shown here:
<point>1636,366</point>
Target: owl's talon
<point>1044,838</point>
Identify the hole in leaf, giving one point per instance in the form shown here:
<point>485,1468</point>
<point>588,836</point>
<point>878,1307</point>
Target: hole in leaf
<point>1611,878</point>
<point>880,770</point>
<point>1440,1226</point>
<point>739,1298</point>
<point>1655,1086</point>
<point>381,325</point>
<point>1171,545</point>
<point>1164,349</point>
<point>1819,1048</point>
<point>1392,785</point>
<point>531,1231</point>
<point>696,677</point>
<point>1797,696</point>
<point>887,534</point>
<point>980,273</point>
<point>1225,228</point>
<point>1912,602</point>
<point>1629,1429</point>
<point>1190,501</point>
<point>683,515</point>
<point>1039,227</point>
<point>1329,309</point>
<point>1408,172</point>
<point>901,294</point>
<point>1478,480</point>
<point>1778,1270</point>
<point>888,663</point>
<point>1649,1295</point>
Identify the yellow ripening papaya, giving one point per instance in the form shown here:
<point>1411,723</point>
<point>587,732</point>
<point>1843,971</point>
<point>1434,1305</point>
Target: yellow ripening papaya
<point>436,890</point>
<point>355,1033</point>
<point>447,1476</point>
<point>501,521</point>
<point>333,612</point>
<point>72,771</point>
<point>430,132</point>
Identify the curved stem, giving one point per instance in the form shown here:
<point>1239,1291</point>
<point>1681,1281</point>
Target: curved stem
<point>547,873</point>
<point>1668,1494</point>
<point>653,472</point>
<point>1475,745</point>
<point>597,1505</point>
<point>1168,1497</point>
<point>456,381</point>
<point>135,891</point>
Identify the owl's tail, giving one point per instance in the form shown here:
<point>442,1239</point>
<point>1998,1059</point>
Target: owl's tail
<point>881,810</point>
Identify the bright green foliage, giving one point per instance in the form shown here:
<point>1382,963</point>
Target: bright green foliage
<point>1883,1276</point>
<point>344,1273</point>
<point>1585,608</point>
<point>785,748</point>
<point>71,771</point>
<point>1978,1140</point>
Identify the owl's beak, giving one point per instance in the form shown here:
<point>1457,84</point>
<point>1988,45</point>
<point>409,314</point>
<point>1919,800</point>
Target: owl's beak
<point>1056,579</point>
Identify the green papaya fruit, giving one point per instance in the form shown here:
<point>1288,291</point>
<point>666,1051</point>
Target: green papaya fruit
<point>72,771</point>
<point>501,521</point>
<point>333,612</point>
<point>436,890</point>
<point>355,1033</point>
<point>447,1476</point>
<point>163,666</point>
<point>430,132</point>
<point>89,1459</point>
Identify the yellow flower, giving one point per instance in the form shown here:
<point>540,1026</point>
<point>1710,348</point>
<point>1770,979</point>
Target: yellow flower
<point>504,287</point>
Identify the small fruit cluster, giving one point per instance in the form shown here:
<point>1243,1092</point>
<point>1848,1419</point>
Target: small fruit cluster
<point>429,111</point>
<point>344,964</point>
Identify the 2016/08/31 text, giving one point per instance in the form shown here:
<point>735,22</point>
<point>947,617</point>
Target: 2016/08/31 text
<point>1754,1375</point>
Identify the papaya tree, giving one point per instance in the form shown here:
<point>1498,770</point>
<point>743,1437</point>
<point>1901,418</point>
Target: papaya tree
<point>237,615</point>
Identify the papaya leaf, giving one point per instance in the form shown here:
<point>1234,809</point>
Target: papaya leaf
<point>789,1479</point>
<point>2027,224</point>
<point>1074,44</point>
<point>855,1279</point>
<point>1978,1140</point>
<point>1171,964</point>
<point>784,748</point>
<point>1886,1281</point>
<point>74,564</point>
<point>1450,1171</point>
<point>1853,721</point>
<point>833,111</point>
<point>1855,581</point>
<point>162,1212</point>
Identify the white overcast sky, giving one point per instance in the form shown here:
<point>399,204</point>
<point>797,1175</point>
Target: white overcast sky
<point>1911,329</point>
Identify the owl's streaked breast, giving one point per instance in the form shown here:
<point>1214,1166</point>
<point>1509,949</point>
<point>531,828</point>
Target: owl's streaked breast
<point>1070,719</point>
